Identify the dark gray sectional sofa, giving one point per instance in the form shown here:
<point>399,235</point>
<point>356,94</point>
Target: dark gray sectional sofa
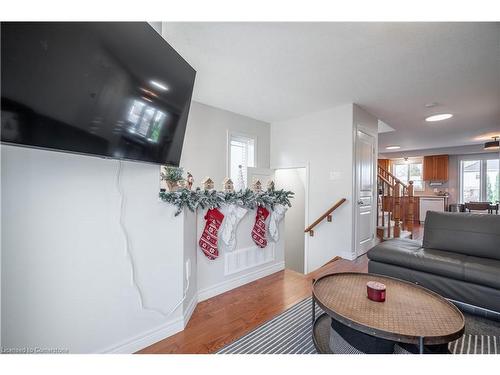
<point>458,258</point>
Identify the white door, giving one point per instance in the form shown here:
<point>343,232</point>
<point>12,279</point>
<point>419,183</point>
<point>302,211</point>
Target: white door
<point>365,193</point>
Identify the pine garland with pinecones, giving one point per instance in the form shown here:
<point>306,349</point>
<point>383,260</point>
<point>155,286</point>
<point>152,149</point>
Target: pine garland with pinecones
<point>194,199</point>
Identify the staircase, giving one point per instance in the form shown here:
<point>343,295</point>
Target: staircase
<point>395,205</point>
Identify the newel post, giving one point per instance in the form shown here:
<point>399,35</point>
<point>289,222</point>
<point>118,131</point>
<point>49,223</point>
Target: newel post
<point>411,203</point>
<point>397,209</point>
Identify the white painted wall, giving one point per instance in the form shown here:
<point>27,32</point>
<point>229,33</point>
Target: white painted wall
<point>66,275</point>
<point>66,279</point>
<point>205,144</point>
<point>325,141</point>
<point>205,154</point>
<point>294,179</point>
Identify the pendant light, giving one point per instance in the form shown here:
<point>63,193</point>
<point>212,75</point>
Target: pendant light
<point>492,145</point>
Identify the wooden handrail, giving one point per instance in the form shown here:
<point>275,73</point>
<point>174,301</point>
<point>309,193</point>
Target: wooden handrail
<point>391,176</point>
<point>325,215</point>
<point>386,181</point>
<point>400,204</point>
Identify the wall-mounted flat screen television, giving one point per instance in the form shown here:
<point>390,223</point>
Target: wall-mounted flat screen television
<point>111,89</point>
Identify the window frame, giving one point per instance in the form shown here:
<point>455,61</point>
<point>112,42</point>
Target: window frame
<point>483,186</point>
<point>395,162</point>
<point>233,135</point>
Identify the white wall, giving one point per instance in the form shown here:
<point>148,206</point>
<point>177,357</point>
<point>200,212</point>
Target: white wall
<point>66,274</point>
<point>205,145</point>
<point>205,154</point>
<point>294,179</point>
<point>66,277</point>
<point>325,141</point>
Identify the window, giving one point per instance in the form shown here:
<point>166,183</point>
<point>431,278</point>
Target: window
<point>492,180</point>
<point>409,171</point>
<point>145,120</point>
<point>241,152</point>
<point>479,180</point>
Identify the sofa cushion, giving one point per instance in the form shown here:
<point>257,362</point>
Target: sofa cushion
<point>466,233</point>
<point>409,254</point>
<point>396,251</point>
<point>471,293</point>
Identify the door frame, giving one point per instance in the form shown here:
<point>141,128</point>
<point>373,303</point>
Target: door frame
<point>306,205</point>
<point>370,132</point>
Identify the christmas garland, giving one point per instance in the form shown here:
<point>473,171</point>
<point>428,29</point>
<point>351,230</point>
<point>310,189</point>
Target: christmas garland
<point>194,199</point>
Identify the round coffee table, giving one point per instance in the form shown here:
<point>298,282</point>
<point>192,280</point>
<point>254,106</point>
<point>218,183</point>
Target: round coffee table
<point>410,314</point>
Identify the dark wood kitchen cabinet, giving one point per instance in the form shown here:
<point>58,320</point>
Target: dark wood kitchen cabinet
<point>436,168</point>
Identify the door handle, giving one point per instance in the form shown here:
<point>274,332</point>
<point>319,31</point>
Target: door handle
<point>360,202</point>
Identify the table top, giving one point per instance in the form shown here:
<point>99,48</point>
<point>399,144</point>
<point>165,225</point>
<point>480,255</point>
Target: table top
<point>408,313</point>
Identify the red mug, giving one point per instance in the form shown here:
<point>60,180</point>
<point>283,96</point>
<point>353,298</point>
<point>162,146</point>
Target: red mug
<point>376,291</point>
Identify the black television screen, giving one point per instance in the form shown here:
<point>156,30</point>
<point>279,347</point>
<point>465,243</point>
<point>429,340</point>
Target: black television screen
<point>112,89</point>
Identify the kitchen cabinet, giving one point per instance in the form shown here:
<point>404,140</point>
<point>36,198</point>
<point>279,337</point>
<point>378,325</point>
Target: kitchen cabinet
<point>435,168</point>
<point>384,163</point>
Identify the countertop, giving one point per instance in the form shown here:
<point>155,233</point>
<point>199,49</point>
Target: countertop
<point>432,196</point>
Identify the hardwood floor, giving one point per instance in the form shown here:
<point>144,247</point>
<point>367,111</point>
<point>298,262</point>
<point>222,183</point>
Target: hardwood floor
<point>220,320</point>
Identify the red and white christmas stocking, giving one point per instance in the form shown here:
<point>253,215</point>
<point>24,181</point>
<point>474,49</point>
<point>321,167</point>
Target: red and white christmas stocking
<point>259,228</point>
<point>208,239</point>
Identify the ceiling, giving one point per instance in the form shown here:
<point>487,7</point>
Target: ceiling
<point>277,71</point>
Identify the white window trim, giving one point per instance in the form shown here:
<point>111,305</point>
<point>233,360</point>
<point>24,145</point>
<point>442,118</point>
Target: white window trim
<point>482,158</point>
<point>412,160</point>
<point>231,134</point>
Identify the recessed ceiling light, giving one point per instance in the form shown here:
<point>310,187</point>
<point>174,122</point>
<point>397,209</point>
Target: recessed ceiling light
<point>159,85</point>
<point>393,147</point>
<point>439,117</point>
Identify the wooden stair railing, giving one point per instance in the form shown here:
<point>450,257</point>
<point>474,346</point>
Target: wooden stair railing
<point>396,200</point>
<point>327,215</point>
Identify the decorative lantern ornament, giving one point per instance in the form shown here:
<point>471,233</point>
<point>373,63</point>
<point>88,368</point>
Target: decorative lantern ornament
<point>207,183</point>
<point>228,185</point>
<point>270,185</point>
<point>190,180</point>
<point>257,186</point>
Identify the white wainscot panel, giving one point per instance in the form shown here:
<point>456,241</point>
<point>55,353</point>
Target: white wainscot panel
<point>249,257</point>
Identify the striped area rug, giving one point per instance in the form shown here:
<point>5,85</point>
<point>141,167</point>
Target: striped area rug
<point>290,333</point>
<point>475,344</point>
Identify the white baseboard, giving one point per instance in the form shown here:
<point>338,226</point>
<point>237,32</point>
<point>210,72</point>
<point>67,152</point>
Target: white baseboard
<point>190,309</point>
<point>162,332</point>
<point>142,341</point>
<point>235,282</point>
<point>176,325</point>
